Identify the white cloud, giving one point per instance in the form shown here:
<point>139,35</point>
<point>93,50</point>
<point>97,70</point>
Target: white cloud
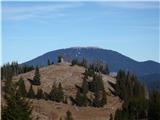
<point>40,11</point>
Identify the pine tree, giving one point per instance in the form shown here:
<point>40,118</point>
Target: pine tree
<point>154,106</point>
<point>18,108</point>
<point>97,99</point>
<point>97,83</point>
<point>74,62</point>
<point>57,93</point>
<point>81,99</point>
<point>68,116</point>
<point>31,93</point>
<point>104,98</point>
<point>60,93</point>
<point>59,59</point>
<point>36,77</point>
<point>46,96</point>
<point>84,63</point>
<point>8,87</point>
<point>85,85</point>
<point>133,93</point>
<point>21,87</point>
<point>40,94</point>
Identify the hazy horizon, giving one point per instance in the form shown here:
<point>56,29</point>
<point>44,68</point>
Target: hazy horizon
<point>30,29</point>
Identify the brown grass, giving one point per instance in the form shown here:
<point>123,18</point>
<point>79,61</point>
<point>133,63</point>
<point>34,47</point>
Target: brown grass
<point>68,76</point>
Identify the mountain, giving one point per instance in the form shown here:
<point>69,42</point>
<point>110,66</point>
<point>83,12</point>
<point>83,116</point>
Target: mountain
<point>69,76</point>
<point>152,81</point>
<point>114,59</point>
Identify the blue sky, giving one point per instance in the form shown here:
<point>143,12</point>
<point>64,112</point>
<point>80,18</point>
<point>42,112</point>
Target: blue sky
<point>30,29</point>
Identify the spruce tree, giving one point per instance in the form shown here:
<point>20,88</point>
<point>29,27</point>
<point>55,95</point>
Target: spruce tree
<point>21,87</point>
<point>84,85</point>
<point>40,94</point>
<point>59,59</point>
<point>133,93</point>
<point>81,99</point>
<point>97,99</point>
<point>74,62</point>
<point>104,98</point>
<point>8,83</point>
<point>53,92</point>
<point>68,116</point>
<point>97,83</point>
<point>60,93</point>
<point>57,93</point>
<point>17,108</point>
<point>36,77</point>
<point>84,63</point>
<point>154,106</point>
<point>31,93</point>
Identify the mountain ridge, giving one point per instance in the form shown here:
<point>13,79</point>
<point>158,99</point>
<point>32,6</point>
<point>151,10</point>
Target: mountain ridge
<point>114,59</point>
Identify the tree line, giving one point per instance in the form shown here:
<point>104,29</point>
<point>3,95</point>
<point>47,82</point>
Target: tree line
<point>137,103</point>
<point>12,69</point>
<point>97,66</point>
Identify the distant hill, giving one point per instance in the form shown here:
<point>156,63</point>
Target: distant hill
<point>114,59</point>
<point>152,80</point>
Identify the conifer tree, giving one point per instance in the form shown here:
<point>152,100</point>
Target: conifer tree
<point>21,87</point>
<point>46,96</point>
<point>60,93</point>
<point>59,59</point>
<point>53,92</point>
<point>85,85</point>
<point>74,62</point>
<point>36,77</point>
<point>68,116</point>
<point>31,93</point>
<point>17,108</point>
<point>8,83</point>
<point>97,83</point>
<point>84,63</point>
<point>40,94</point>
<point>154,106</point>
<point>57,93</point>
<point>133,93</point>
<point>81,99</point>
<point>97,99</point>
<point>104,98</point>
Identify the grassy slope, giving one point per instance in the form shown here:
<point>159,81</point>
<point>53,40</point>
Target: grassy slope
<point>68,76</point>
